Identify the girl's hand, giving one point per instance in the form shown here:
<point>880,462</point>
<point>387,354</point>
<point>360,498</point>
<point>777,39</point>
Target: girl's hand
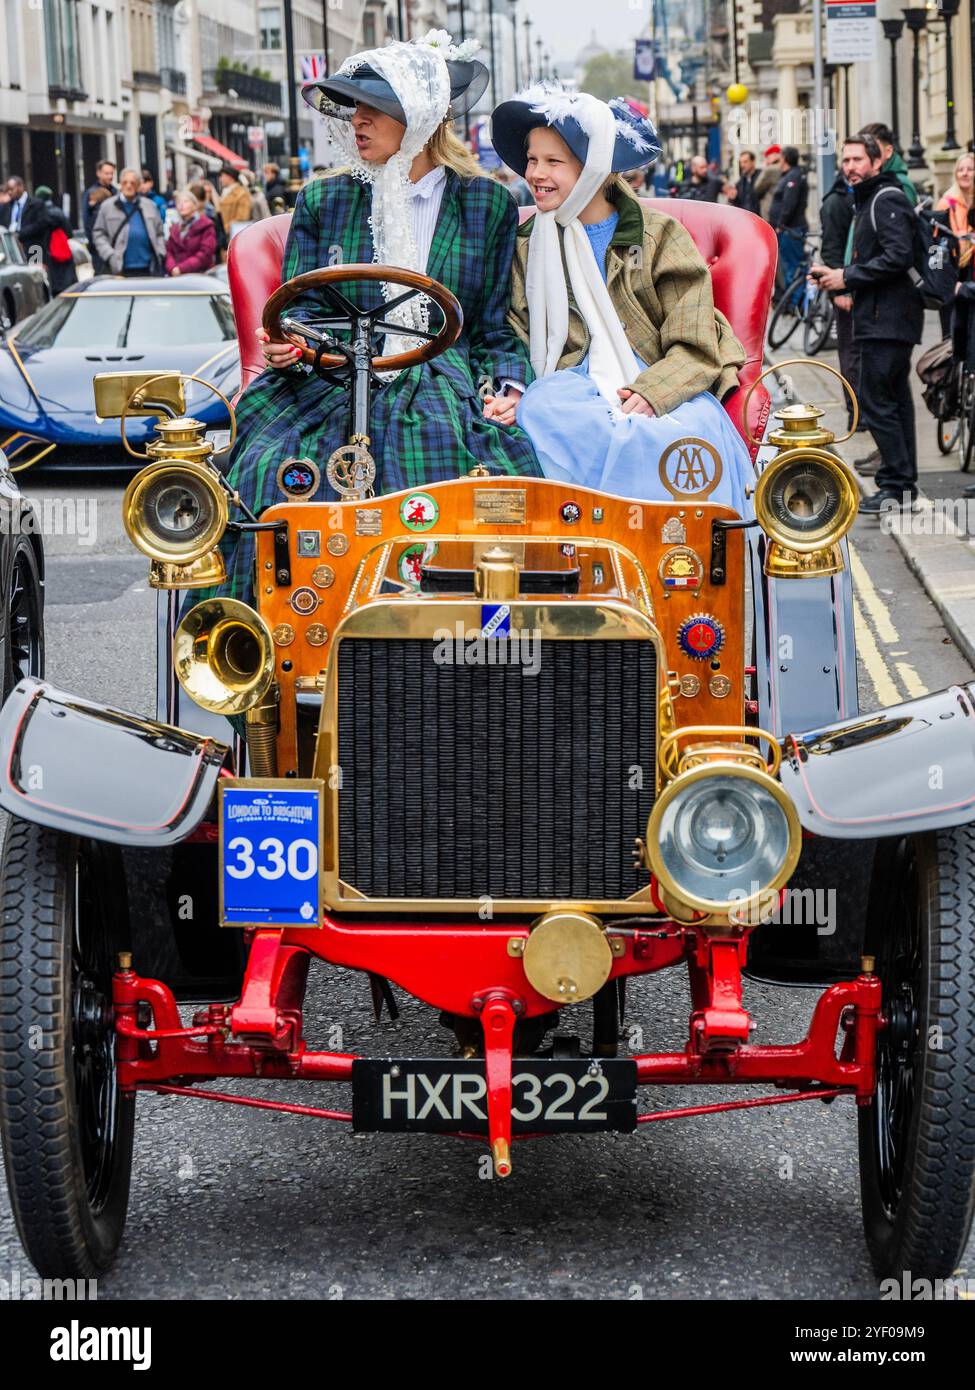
<point>632,403</point>
<point>503,410</point>
<point>277,354</point>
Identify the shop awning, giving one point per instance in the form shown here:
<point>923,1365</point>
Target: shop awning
<point>208,161</point>
<point>225,156</point>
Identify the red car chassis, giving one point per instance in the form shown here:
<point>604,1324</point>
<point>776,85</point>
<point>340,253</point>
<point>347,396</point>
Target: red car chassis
<point>472,971</point>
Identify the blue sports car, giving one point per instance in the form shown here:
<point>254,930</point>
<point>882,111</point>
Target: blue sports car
<point>47,405</point>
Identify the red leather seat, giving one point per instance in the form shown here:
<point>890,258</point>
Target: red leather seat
<point>739,248</point>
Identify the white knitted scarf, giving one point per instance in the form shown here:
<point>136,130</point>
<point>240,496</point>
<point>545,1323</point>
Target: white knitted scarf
<point>611,360</point>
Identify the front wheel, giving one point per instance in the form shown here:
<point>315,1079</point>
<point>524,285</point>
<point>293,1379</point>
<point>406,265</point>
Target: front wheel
<point>66,1128</point>
<point>917,1138</point>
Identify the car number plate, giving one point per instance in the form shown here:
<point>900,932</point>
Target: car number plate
<point>270,852</point>
<point>548,1095</point>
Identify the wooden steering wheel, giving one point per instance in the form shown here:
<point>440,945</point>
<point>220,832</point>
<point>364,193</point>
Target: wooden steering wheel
<point>361,324</point>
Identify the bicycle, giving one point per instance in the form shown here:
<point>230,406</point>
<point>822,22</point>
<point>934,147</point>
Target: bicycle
<point>805,302</point>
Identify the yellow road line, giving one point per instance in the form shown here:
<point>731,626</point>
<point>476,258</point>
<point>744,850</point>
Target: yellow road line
<point>910,680</point>
<point>869,654</point>
<point>884,625</point>
<point>872,601</point>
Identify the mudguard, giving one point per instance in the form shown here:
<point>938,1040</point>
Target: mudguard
<point>91,770</point>
<point>898,771</point>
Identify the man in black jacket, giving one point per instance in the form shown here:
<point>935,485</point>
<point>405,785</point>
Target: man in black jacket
<point>742,193</point>
<point>787,212</point>
<point>26,216</point>
<point>888,316</point>
<point>702,186</point>
<point>836,218</point>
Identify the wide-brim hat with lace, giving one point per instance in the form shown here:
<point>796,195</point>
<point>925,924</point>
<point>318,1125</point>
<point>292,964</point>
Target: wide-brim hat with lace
<point>549,104</point>
<point>338,94</point>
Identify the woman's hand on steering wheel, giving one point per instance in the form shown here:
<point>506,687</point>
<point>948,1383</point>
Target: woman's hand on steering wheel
<point>278,355</point>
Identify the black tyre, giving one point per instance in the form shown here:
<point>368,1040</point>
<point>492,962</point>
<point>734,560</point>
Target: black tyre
<point>818,322</point>
<point>24,647</point>
<point>66,1130</point>
<point>917,1139</point>
<point>787,314</point>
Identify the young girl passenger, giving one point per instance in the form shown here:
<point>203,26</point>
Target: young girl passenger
<point>615,304</point>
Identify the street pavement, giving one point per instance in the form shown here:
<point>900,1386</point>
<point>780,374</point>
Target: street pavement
<point>235,1203</point>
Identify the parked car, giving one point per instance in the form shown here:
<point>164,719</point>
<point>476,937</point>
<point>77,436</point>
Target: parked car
<point>508,835</point>
<point>47,365</point>
<point>23,287</point>
<point>21,585</point>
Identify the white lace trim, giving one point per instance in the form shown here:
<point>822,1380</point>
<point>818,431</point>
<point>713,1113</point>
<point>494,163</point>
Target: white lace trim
<point>418,74</point>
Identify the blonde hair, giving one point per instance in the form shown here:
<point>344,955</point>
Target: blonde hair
<point>954,191</point>
<point>444,148</point>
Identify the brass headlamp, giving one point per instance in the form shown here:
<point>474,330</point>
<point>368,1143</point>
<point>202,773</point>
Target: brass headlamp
<point>176,509</point>
<point>806,498</point>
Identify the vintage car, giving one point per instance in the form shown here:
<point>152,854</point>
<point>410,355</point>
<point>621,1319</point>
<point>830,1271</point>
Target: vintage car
<point>627,735</point>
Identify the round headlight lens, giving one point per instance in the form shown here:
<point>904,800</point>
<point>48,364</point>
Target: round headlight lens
<point>805,497</point>
<point>175,512</point>
<point>721,840</point>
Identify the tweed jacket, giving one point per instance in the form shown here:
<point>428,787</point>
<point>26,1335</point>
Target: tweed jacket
<point>661,289</point>
<point>470,253</point>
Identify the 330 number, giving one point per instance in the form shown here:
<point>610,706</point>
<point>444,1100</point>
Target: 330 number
<point>299,860</point>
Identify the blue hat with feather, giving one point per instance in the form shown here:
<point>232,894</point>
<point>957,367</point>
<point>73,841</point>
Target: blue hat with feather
<point>550,104</point>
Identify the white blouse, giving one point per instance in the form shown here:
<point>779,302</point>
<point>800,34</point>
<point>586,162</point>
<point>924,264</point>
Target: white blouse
<point>426,195</point>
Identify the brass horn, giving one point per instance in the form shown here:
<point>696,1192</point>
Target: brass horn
<point>224,656</point>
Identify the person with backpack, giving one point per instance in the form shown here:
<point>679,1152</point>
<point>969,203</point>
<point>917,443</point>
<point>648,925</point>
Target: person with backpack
<point>836,220</point>
<point>129,233</point>
<point>888,316</point>
<point>56,229</point>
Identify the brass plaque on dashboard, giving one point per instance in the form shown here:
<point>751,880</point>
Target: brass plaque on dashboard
<point>502,506</point>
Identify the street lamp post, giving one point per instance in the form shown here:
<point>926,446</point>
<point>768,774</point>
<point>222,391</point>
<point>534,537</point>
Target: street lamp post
<point>538,50</point>
<point>528,48</point>
<point>400,29</point>
<point>494,57</point>
<point>893,28</point>
<point>325,34</point>
<point>289,78</point>
<point>947,10</point>
<point>916,19</point>
<point>514,44</point>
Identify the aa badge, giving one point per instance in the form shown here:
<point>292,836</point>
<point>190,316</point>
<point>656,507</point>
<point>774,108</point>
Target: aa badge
<point>690,469</point>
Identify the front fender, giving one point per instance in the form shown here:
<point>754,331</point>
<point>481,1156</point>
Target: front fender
<point>898,771</point>
<point>87,769</point>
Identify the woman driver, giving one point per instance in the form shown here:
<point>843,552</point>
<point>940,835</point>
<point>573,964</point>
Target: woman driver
<point>410,197</point>
<point>631,366</point>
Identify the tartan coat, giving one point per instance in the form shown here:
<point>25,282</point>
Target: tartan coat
<point>660,287</point>
<point>426,425</point>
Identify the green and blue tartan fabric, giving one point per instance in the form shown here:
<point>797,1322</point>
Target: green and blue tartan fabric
<point>426,425</point>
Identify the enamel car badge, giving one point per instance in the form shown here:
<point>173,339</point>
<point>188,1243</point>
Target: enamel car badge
<point>419,511</point>
<point>412,560</point>
<point>299,477</point>
<point>701,636</point>
<point>690,469</point>
<point>681,568</point>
